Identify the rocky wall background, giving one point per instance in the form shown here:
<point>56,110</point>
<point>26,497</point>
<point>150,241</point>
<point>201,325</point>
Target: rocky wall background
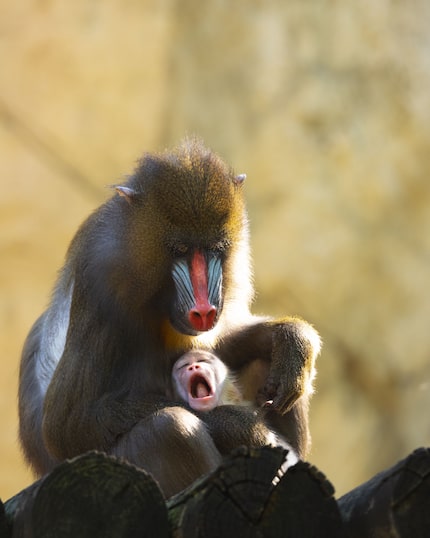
<point>325,104</point>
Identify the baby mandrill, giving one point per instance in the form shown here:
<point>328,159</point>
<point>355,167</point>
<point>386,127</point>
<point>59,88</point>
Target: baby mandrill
<point>203,381</point>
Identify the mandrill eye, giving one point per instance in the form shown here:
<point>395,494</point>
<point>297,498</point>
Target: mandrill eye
<point>179,249</point>
<point>220,247</point>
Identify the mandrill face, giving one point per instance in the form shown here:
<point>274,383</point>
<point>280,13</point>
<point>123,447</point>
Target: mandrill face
<point>197,233</point>
<point>181,247</point>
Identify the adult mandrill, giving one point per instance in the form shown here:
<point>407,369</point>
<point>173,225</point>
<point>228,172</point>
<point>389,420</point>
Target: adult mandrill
<point>161,268</point>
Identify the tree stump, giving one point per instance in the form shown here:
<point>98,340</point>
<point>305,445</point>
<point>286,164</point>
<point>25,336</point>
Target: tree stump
<point>249,495</point>
<point>394,503</point>
<point>246,496</point>
<point>5,528</point>
<point>91,496</point>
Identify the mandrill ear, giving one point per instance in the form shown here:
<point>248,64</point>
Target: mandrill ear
<point>126,192</point>
<point>238,180</point>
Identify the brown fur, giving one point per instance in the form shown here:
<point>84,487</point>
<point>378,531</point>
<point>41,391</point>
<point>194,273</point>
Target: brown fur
<point>95,370</point>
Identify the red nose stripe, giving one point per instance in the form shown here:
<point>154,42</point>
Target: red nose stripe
<point>202,315</point>
<point>199,278</point>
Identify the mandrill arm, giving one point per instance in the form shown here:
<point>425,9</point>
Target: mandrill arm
<point>288,346</point>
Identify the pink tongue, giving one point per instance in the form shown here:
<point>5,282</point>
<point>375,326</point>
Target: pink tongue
<point>202,390</point>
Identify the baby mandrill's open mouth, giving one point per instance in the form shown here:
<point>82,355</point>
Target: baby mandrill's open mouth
<point>201,395</point>
<point>199,387</point>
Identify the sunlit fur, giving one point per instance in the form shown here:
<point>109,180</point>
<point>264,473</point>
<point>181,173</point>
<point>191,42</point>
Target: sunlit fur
<point>96,366</point>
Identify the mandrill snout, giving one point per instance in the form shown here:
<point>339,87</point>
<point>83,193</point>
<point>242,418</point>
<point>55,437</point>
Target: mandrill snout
<point>202,318</point>
<point>198,282</point>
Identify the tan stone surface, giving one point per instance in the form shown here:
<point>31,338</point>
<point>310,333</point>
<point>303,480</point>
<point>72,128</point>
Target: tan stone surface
<point>324,104</point>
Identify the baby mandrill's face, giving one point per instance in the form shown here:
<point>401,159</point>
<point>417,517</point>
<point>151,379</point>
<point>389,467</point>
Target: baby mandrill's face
<point>198,379</point>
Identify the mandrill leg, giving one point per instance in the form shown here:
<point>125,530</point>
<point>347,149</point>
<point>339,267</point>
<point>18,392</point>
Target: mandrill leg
<point>173,445</point>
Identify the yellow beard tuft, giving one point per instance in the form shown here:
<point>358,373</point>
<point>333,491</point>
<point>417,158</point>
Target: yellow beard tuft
<point>178,342</point>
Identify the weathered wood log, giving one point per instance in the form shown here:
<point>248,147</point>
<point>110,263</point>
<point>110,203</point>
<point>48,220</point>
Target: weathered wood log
<point>91,496</point>
<point>5,529</point>
<point>96,495</point>
<point>18,510</point>
<point>246,497</point>
<point>394,503</point>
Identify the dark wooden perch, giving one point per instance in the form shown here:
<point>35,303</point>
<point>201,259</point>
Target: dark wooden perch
<point>91,496</point>
<point>393,504</point>
<point>240,499</point>
<point>95,495</point>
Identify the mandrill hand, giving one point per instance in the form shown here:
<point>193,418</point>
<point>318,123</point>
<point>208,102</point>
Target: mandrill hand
<point>295,345</point>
